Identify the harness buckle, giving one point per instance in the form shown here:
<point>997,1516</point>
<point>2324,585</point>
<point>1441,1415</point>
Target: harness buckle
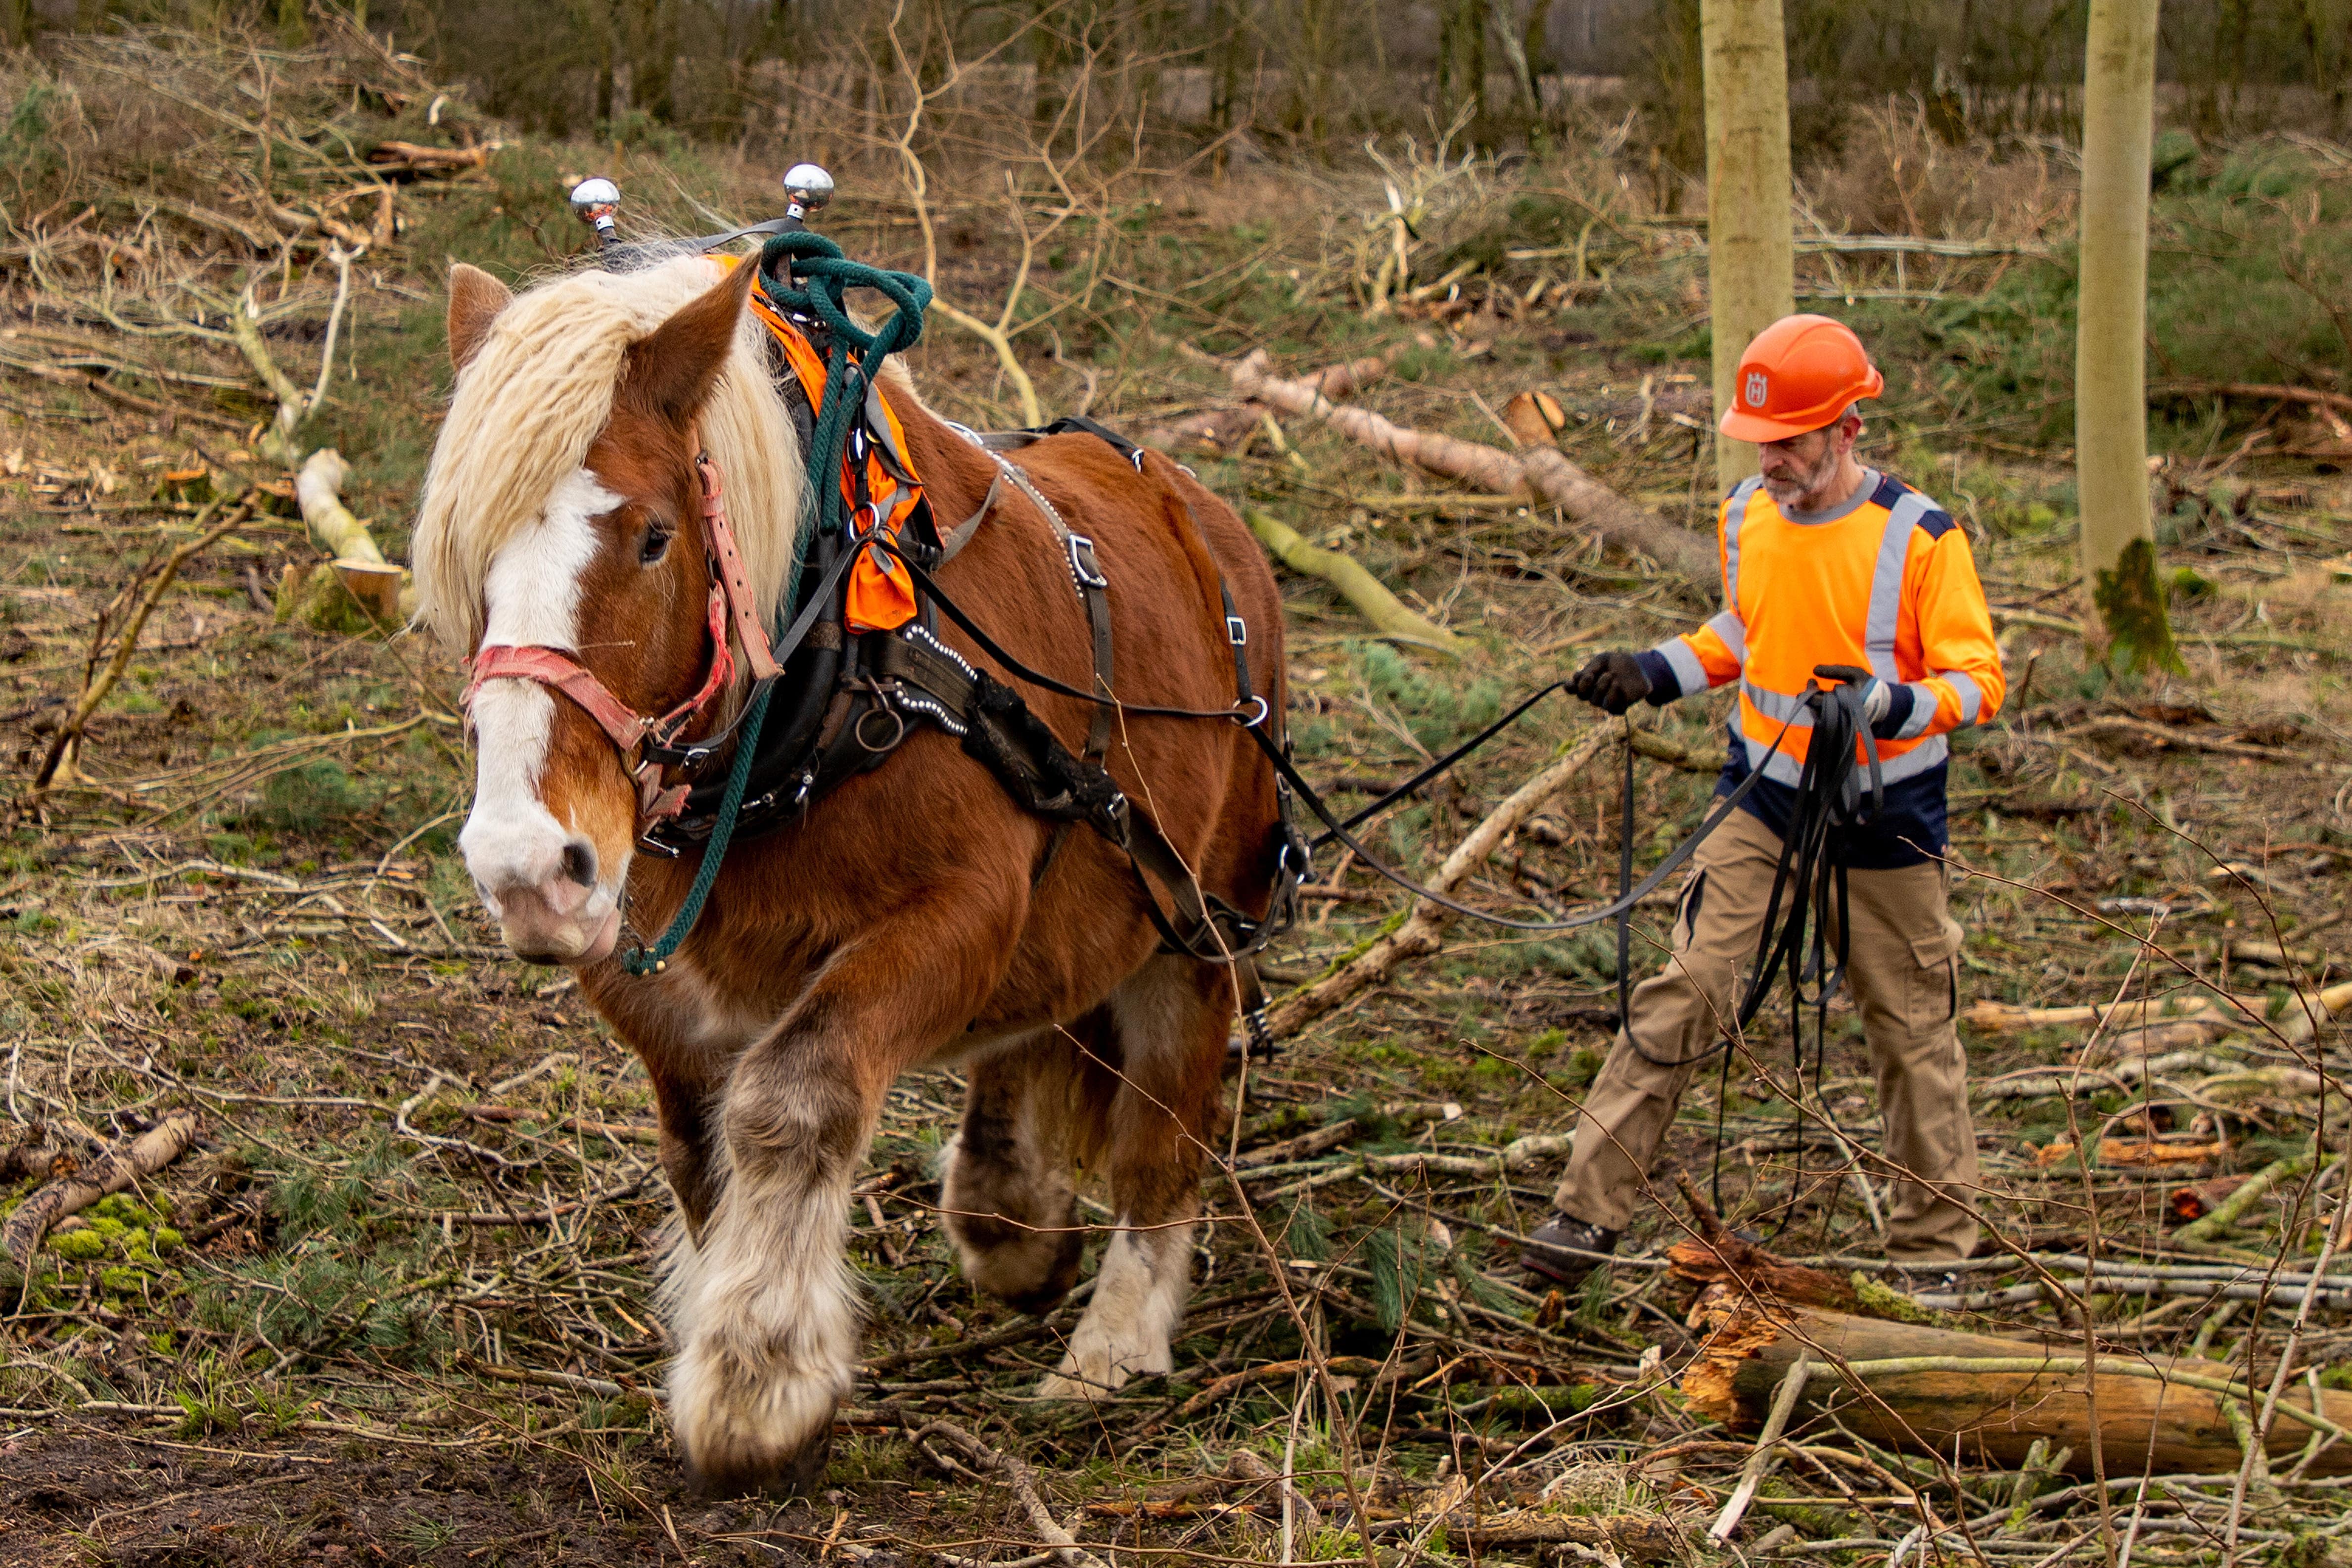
<point>647,843</point>
<point>1085,570</point>
<point>1237,631</point>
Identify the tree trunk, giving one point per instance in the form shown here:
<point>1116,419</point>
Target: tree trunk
<point>1751,248</point>
<point>2127,597</point>
<point>1909,1386</point>
<point>1462,63</point>
<point>1228,59</point>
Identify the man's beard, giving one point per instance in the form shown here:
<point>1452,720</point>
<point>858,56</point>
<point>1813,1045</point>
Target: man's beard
<point>1786,492</point>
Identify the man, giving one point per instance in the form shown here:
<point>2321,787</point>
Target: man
<point>1824,563</point>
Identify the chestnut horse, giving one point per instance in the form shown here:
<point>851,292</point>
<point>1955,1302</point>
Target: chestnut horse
<point>902,923</point>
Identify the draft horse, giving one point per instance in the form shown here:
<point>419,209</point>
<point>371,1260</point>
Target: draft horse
<point>913,916</point>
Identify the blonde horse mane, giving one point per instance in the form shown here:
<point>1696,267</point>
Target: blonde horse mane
<point>538,393</point>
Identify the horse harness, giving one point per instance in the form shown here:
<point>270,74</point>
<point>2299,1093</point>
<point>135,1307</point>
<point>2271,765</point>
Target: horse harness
<point>861,664</point>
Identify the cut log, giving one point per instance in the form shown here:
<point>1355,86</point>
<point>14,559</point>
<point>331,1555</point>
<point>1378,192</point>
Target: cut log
<point>1928,1390</point>
<point>358,567</point>
<point>1534,418</point>
<point>1370,596</point>
<point>2202,1198</point>
<point>109,1173</point>
<point>2244,1195</point>
<point>1726,1259</point>
<point>1543,470</point>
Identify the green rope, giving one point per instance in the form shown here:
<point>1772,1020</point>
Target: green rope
<point>828,275</point>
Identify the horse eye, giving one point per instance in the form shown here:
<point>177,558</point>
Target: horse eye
<point>656,545</point>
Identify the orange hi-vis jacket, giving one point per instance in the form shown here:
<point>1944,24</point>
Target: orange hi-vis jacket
<point>1885,582</point>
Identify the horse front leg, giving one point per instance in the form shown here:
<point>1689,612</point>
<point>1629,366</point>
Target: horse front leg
<point>762,1308</point>
<point>1171,1019</point>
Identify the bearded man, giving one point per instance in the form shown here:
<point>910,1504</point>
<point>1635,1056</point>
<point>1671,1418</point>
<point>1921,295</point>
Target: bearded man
<point>1825,563</point>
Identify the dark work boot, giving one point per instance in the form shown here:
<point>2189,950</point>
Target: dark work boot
<point>1563,1250</point>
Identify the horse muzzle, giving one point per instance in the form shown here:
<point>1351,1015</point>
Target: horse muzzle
<point>545,892</point>
<point>539,928</point>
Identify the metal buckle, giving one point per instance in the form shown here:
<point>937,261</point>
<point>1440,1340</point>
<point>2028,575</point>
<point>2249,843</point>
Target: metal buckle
<point>1237,631</point>
<point>659,850</point>
<point>1087,572</point>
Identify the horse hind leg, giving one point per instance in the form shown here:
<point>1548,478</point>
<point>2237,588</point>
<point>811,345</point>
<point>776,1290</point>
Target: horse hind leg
<point>1008,1190</point>
<point>1171,1019</point>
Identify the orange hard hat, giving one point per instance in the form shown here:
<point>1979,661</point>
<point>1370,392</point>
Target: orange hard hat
<point>1799,373</point>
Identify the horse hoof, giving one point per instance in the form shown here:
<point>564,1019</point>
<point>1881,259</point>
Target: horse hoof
<point>1062,1385</point>
<point>743,1470</point>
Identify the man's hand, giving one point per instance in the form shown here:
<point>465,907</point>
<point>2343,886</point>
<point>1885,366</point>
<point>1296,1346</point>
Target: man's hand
<point>1611,682</point>
<point>1875,695</point>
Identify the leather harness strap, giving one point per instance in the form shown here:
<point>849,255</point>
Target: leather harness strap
<point>646,741</point>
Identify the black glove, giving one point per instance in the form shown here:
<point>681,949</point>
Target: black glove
<point>1611,682</point>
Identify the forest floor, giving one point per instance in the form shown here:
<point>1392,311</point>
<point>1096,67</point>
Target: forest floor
<point>398,1304</point>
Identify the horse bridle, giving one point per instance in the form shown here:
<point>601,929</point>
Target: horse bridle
<point>647,743</point>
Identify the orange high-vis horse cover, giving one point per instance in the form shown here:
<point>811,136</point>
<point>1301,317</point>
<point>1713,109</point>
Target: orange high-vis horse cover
<point>880,591</point>
<point>1885,582</point>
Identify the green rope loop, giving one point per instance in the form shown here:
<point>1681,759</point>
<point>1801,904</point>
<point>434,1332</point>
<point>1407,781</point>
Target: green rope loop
<point>855,358</point>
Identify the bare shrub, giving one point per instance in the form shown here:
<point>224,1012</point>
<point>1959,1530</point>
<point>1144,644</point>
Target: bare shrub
<point>1897,176</point>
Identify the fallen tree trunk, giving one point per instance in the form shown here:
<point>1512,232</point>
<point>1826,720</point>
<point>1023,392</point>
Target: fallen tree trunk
<point>1370,596</point>
<point>1929,1390</point>
<point>1545,471</point>
<point>1215,429</point>
<point>1420,932</point>
<point>2173,1023</point>
<point>109,1173</point>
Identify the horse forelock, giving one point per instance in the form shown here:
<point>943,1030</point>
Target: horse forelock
<point>531,404</point>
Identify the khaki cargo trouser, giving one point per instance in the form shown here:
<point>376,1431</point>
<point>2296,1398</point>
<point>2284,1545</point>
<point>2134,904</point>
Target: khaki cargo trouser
<point>1903,971</point>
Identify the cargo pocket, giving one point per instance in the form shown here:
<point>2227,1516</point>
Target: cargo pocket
<point>1686,917</point>
<point>1935,991</point>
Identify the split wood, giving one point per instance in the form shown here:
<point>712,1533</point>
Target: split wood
<point>71,730</point>
<point>109,1173</point>
<point>1545,471</point>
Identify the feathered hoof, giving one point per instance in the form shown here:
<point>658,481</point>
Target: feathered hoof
<point>1077,1385</point>
<point>742,1467</point>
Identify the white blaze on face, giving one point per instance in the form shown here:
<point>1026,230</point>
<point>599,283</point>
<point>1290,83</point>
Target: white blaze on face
<point>510,839</point>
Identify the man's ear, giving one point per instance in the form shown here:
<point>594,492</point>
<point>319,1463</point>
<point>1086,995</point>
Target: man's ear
<point>475,301</point>
<point>671,372</point>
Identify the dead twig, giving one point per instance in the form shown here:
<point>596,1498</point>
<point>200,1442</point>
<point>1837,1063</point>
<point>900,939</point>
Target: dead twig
<point>69,732</point>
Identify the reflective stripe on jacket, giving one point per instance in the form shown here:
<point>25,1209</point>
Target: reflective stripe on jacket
<point>1885,582</point>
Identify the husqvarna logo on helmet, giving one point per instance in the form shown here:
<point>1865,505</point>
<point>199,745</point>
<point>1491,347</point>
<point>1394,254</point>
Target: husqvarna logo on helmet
<point>1756,388</point>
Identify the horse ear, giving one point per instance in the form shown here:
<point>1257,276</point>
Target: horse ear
<point>475,301</point>
<point>672,371</point>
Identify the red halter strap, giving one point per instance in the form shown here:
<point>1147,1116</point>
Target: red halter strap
<point>560,670</point>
